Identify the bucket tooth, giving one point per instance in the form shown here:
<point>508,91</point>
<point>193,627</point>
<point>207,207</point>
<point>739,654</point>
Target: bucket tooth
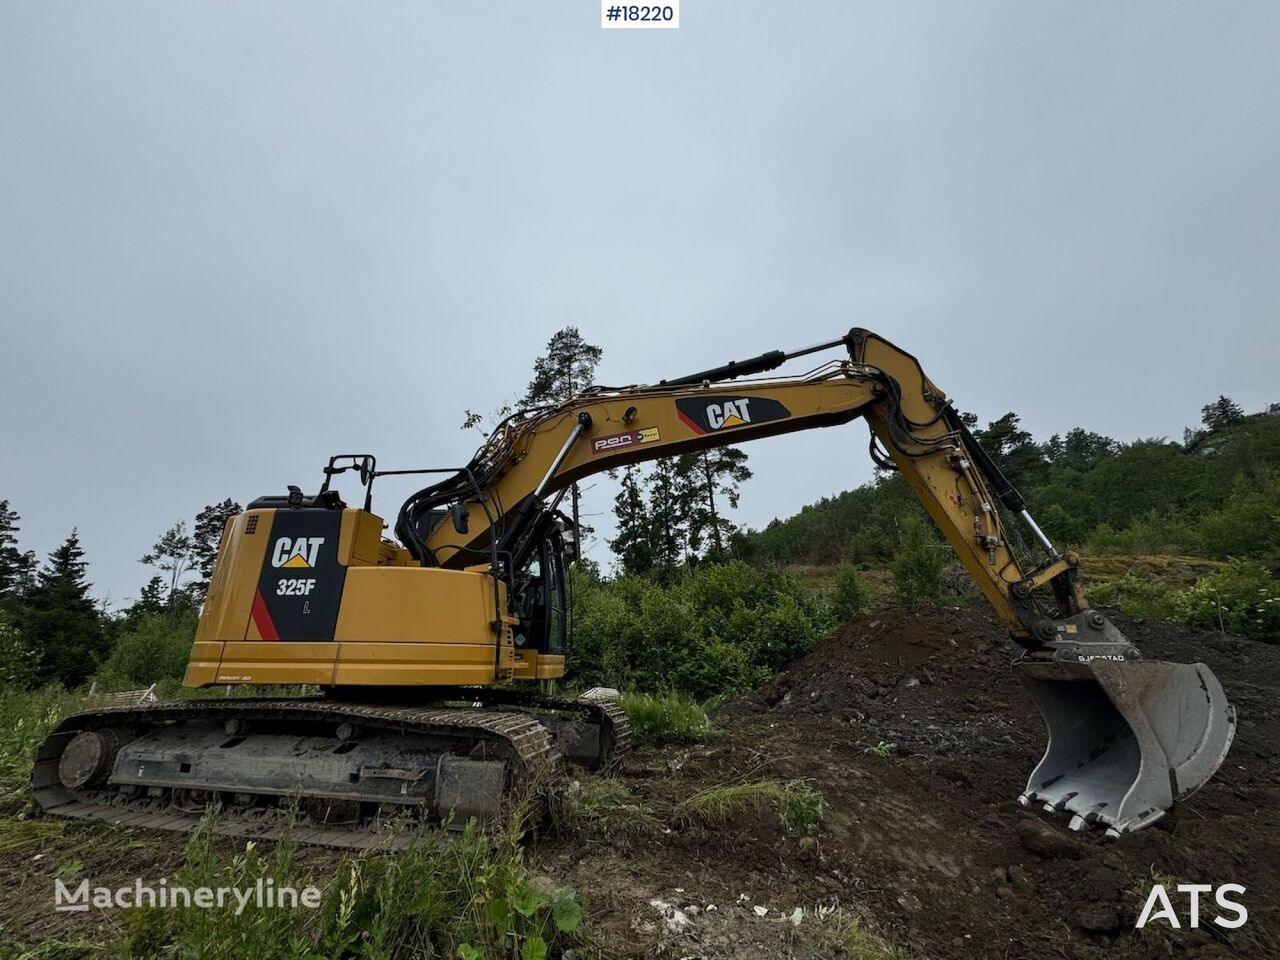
<point>1127,738</point>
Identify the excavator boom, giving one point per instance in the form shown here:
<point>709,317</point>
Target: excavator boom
<point>404,637</point>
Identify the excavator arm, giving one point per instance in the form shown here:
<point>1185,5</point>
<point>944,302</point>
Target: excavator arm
<point>518,474</point>
<point>1128,736</point>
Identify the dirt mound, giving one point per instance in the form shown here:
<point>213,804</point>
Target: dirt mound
<point>943,739</point>
<point>920,738</point>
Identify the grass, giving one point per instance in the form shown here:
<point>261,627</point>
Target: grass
<point>850,936</point>
<point>1152,933</point>
<point>594,805</point>
<point>666,718</point>
<point>25,718</point>
<point>52,950</point>
<point>16,834</point>
<point>465,895</point>
<point>800,808</point>
<point>882,749</point>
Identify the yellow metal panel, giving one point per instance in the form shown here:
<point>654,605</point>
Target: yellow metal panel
<point>277,661</point>
<point>202,667</point>
<point>414,663</point>
<point>550,667</point>
<point>530,665</point>
<point>416,605</point>
<point>360,538</point>
<point>225,616</point>
<point>235,576</point>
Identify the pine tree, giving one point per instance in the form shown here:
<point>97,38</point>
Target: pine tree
<point>60,622</point>
<point>667,488</point>
<point>1011,447</point>
<point>206,538</point>
<point>16,566</point>
<point>633,544</point>
<point>153,598</point>
<point>1222,413</point>
<point>566,369</point>
<point>715,476</point>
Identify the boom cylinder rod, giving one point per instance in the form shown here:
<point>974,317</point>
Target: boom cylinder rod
<point>579,428</point>
<point>742,368</point>
<point>816,348</point>
<point>1040,534</point>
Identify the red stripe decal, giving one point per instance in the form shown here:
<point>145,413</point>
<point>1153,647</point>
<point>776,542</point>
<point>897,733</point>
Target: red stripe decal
<point>689,423</point>
<point>262,618</point>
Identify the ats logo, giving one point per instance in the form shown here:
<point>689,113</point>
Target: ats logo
<point>299,553</point>
<point>703,415</point>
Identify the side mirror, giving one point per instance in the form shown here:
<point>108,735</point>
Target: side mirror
<point>458,514</point>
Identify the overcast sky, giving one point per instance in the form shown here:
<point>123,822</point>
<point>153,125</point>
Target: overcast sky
<point>237,237</point>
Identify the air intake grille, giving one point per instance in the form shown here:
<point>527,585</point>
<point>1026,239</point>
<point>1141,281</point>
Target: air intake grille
<point>251,526</point>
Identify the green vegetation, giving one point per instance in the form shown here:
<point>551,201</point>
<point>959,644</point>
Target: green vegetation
<point>850,596</point>
<point>25,719</point>
<point>600,806</point>
<point>52,632</point>
<point>155,647</point>
<point>800,808</point>
<point>463,896</point>
<point>881,749</point>
<point>717,629</point>
<point>1242,598</point>
<point>850,935</point>
<point>1213,496</point>
<point>917,569</point>
<point>666,718</point>
<point>18,834</point>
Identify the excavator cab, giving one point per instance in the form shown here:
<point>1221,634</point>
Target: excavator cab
<point>540,600</point>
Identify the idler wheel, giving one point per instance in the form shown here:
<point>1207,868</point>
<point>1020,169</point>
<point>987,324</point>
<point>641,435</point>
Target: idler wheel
<point>87,759</point>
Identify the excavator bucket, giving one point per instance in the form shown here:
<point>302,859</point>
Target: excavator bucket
<point>1127,739</point>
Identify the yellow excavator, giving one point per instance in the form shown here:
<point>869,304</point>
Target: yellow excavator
<point>418,647</point>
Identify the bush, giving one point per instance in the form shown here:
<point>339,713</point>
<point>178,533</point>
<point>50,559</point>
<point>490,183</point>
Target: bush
<point>1243,599</point>
<point>1248,525</point>
<point>723,628</point>
<point>18,662</point>
<point>850,596</point>
<point>1137,596</point>
<point>155,649</point>
<point>917,570</point>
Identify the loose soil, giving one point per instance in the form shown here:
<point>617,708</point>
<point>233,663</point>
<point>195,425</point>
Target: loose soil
<point>919,738</point>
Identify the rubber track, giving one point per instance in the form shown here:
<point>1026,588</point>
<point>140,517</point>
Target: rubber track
<point>522,737</point>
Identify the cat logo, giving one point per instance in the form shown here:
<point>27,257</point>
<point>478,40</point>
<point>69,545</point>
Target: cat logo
<point>706,415</point>
<point>731,413</point>
<point>293,553</point>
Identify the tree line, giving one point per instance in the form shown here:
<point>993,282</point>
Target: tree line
<point>53,631</point>
<point>1212,495</point>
